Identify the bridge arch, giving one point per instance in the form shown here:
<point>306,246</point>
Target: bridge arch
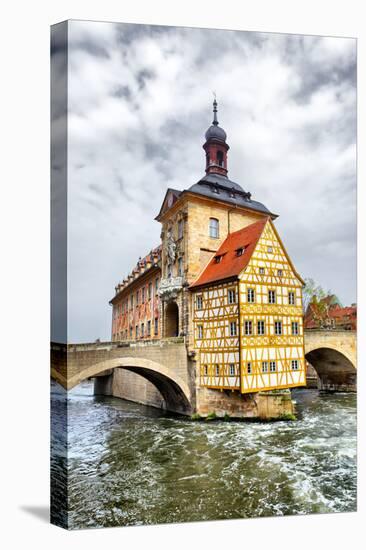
<point>335,368</point>
<point>174,390</point>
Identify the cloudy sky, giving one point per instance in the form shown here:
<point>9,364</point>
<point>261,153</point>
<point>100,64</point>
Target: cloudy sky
<point>140,101</point>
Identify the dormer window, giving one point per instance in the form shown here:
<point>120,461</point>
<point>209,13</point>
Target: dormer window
<point>240,251</point>
<point>217,259</point>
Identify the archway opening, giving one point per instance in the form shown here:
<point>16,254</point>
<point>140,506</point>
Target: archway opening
<point>171,320</point>
<point>335,371</point>
<point>172,397</point>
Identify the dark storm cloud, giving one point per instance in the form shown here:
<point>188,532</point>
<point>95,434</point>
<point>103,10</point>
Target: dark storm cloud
<point>140,100</point>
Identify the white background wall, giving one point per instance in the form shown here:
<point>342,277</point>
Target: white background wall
<point>25,263</point>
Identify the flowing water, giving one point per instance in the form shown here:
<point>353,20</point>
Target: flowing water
<point>130,464</point>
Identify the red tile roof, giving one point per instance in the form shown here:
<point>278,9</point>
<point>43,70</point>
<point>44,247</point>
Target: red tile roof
<point>231,264</point>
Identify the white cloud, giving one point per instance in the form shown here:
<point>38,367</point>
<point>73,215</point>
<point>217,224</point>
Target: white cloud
<point>139,104</point>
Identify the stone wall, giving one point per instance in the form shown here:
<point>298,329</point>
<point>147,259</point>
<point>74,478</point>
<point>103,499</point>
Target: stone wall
<point>131,386</point>
<point>262,405</point>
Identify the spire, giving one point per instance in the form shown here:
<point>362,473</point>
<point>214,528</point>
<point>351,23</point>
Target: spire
<point>215,122</point>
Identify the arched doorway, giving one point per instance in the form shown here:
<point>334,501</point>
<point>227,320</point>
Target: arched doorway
<point>171,320</point>
<point>336,372</point>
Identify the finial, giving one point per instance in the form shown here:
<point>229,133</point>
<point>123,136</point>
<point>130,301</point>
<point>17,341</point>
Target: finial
<point>215,122</point>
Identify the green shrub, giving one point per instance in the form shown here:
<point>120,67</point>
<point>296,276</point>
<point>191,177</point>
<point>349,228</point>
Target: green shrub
<point>287,416</point>
<point>196,416</point>
<point>211,416</point>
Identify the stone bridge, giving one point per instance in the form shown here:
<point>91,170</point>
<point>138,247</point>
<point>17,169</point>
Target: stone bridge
<point>166,374</point>
<point>333,353</point>
<point>164,367</point>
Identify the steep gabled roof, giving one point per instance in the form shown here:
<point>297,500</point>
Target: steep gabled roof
<point>230,264</point>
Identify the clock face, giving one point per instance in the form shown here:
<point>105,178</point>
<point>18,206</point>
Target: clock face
<point>170,200</point>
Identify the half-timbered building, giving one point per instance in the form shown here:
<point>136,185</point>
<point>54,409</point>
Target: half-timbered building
<point>222,280</point>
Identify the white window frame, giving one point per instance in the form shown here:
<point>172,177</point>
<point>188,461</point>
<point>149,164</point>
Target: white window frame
<point>278,328</point>
<point>272,366</point>
<point>249,368</point>
<point>294,364</point>
<point>232,369</point>
<point>251,295</point>
<point>233,324</point>
<point>271,293</point>
<point>291,298</point>
<point>231,296</point>
<point>261,323</point>
<point>264,366</point>
<point>294,325</point>
<point>214,228</point>
<point>248,327</point>
<point>261,271</point>
<point>217,370</point>
<point>199,332</point>
<point>199,302</point>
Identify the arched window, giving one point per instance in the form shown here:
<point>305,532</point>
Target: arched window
<point>220,158</point>
<point>214,228</point>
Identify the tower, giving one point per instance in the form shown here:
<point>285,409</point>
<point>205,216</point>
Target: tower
<point>216,147</point>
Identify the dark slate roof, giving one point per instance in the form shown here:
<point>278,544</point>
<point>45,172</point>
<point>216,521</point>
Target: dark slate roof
<point>215,132</point>
<point>221,188</point>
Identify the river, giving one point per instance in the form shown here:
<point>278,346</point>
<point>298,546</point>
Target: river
<point>132,465</point>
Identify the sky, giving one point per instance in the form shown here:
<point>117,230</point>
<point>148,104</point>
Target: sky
<point>139,103</point>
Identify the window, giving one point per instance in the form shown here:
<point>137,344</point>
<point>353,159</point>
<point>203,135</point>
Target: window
<point>217,259</point>
<point>200,331</point>
<point>271,296</point>
<point>180,229</point>
<point>214,228</point>
<point>269,249</point>
<point>232,369</point>
<point>295,327</point>
<point>231,294</point>
<point>250,295</point>
<point>291,298</point>
<point>149,291</point>
<point>264,366</point>
<point>180,267</point>
<point>156,285</point>
<point>249,368</point>
<point>248,328</point>
<point>205,370</point>
<point>220,158</point>
<point>294,364</point>
<point>142,330</point>
<point>272,366</point>
<point>149,328</point>
<point>261,271</point>
<point>278,327</point>
<point>261,328</point>
<point>156,326</point>
<point>131,331</point>
<point>131,301</point>
<point>143,295</point>
<point>279,272</point>
<point>217,370</point>
<point>136,331</point>
<point>240,251</point>
<point>199,302</point>
<point>137,297</point>
<point>233,328</point>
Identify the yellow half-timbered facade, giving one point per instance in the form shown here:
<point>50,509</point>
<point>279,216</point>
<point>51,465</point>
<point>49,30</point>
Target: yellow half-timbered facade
<point>248,323</point>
